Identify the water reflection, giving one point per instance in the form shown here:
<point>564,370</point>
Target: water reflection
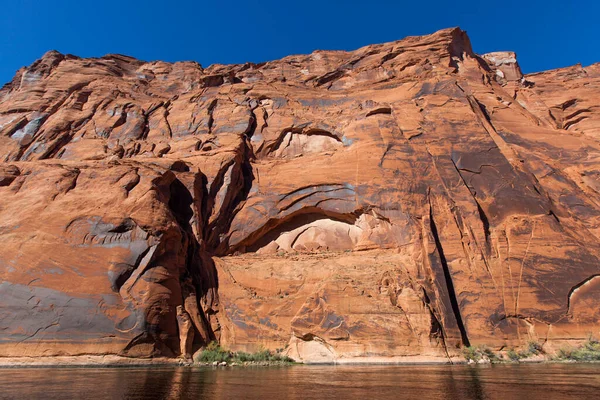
<point>528,382</point>
<point>477,391</point>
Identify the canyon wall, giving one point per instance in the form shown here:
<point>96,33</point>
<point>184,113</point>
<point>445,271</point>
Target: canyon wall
<point>404,199</point>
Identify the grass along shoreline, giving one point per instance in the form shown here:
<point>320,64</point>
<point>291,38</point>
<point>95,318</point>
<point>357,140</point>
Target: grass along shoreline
<point>588,352</point>
<point>215,355</point>
<point>534,352</point>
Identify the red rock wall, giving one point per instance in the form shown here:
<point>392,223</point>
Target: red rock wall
<point>404,199</point>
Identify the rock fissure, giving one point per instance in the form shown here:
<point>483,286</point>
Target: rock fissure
<point>448,280</point>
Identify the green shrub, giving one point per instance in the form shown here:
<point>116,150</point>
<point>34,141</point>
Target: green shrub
<point>513,355</point>
<point>589,351</point>
<point>488,353</point>
<point>260,356</point>
<point>477,353</point>
<point>564,353</point>
<point>534,347</point>
<point>471,354</point>
<point>524,354</point>
<point>214,352</point>
<point>592,345</point>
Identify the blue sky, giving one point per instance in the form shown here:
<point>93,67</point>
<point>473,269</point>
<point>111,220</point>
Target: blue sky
<point>545,34</point>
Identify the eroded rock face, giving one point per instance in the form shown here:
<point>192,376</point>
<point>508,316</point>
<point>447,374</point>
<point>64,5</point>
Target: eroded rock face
<point>403,199</point>
<point>505,64</point>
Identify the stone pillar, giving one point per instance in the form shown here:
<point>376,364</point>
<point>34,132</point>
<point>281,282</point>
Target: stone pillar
<point>186,332</point>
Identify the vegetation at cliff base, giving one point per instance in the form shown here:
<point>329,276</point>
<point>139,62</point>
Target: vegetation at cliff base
<point>479,353</point>
<point>533,349</point>
<point>589,351</point>
<point>215,353</point>
<point>483,353</point>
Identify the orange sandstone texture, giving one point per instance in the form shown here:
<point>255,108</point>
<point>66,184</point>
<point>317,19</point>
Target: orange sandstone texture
<point>404,199</point>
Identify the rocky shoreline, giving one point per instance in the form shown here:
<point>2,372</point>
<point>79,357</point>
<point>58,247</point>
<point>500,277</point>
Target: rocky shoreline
<point>215,356</point>
<point>112,361</point>
<point>118,361</point>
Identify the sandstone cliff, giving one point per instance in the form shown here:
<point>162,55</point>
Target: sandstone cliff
<point>403,199</point>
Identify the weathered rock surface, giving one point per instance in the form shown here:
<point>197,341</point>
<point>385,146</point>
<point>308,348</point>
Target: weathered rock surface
<point>404,199</point>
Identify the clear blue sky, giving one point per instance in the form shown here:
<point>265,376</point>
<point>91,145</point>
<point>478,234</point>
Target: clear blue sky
<point>545,34</point>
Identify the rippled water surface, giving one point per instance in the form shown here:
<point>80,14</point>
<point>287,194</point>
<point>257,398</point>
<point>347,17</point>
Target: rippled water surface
<point>529,382</point>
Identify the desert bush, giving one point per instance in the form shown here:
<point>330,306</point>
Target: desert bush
<point>589,351</point>
<point>477,353</point>
<point>513,355</point>
<point>471,354</point>
<point>214,352</point>
<point>260,356</point>
<point>534,348</point>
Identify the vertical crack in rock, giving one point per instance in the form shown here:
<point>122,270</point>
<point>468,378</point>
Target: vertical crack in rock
<point>436,329</point>
<point>166,113</point>
<point>482,216</point>
<point>169,277</point>
<point>486,224</point>
<point>575,288</point>
<point>210,110</point>
<point>484,119</point>
<point>251,127</point>
<point>196,278</point>
<point>231,189</point>
<point>448,279</point>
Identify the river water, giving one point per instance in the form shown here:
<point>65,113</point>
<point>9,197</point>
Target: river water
<point>505,382</point>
